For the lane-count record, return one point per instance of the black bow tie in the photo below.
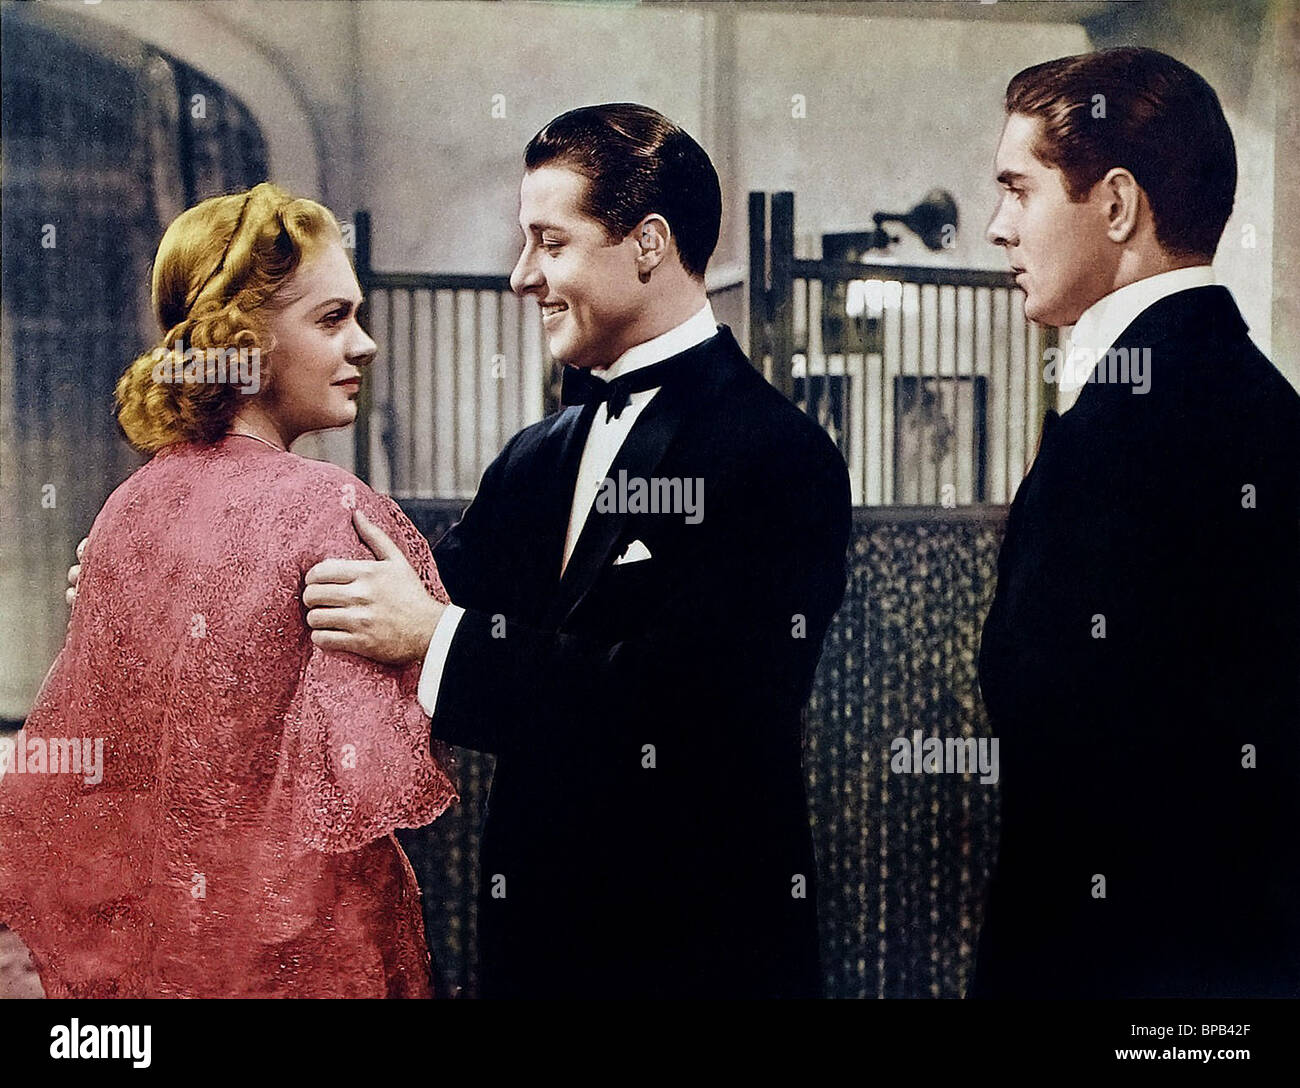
(580, 386)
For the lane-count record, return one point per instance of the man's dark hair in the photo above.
(636, 162)
(1148, 113)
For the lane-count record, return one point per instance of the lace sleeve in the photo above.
(357, 753)
(405, 535)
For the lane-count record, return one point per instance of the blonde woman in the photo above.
(236, 837)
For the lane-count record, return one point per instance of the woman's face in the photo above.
(318, 349)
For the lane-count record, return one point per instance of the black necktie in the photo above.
(580, 386)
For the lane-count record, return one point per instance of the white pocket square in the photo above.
(635, 552)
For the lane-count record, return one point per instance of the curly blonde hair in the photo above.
(221, 266)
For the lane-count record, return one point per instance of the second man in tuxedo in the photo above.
(1141, 660)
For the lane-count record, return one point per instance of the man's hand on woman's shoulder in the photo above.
(377, 608)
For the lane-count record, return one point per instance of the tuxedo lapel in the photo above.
(1164, 329)
(640, 455)
(560, 457)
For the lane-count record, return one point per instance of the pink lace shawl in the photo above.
(239, 840)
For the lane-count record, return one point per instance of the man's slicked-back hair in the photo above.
(1148, 113)
(637, 162)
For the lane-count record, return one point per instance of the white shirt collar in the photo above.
(694, 330)
(1101, 324)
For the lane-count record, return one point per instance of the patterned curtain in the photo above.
(103, 143)
(903, 859)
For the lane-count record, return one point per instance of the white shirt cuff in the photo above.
(436, 659)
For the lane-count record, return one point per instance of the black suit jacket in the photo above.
(647, 830)
(1174, 516)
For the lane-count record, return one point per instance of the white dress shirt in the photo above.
(1100, 325)
(604, 440)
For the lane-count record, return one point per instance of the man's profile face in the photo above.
(587, 286)
(1058, 249)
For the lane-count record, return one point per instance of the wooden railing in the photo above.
(928, 378)
(461, 366)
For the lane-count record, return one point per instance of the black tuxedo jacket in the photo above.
(1169, 522)
(647, 830)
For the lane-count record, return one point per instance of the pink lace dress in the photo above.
(235, 838)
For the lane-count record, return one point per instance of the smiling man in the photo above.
(639, 674)
(1141, 659)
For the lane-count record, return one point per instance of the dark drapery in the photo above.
(104, 143)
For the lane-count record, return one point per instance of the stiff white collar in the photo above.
(1100, 325)
(694, 330)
